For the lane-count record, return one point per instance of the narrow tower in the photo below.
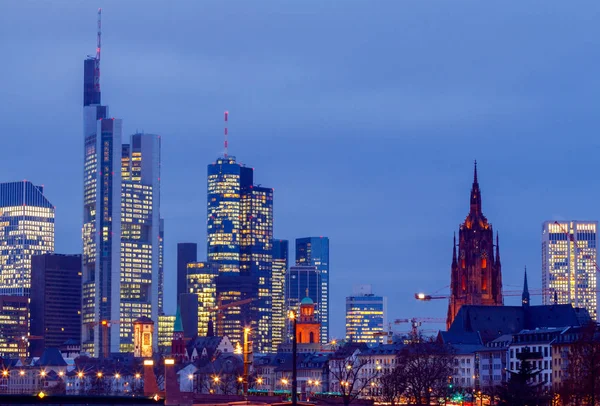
(525, 295)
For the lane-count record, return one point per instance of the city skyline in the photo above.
(519, 196)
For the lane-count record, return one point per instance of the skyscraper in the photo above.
(140, 236)
(301, 282)
(187, 252)
(365, 315)
(476, 276)
(569, 256)
(26, 229)
(161, 267)
(202, 281)
(55, 300)
(240, 238)
(280, 266)
(13, 326)
(314, 251)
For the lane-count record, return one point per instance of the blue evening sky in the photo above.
(365, 116)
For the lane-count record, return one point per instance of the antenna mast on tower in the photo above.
(98, 46)
(225, 133)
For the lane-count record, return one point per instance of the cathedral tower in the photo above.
(476, 276)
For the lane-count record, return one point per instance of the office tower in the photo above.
(476, 273)
(569, 257)
(55, 300)
(188, 306)
(140, 237)
(236, 300)
(240, 236)
(365, 315)
(26, 229)
(280, 266)
(301, 282)
(13, 326)
(202, 281)
(314, 251)
(165, 333)
(161, 269)
(187, 252)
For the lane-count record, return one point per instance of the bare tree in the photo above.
(393, 386)
(424, 366)
(353, 377)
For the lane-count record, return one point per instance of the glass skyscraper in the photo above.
(202, 281)
(365, 315)
(240, 237)
(569, 270)
(280, 266)
(301, 282)
(26, 229)
(314, 251)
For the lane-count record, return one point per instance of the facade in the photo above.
(240, 237)
(365, 315)
(26, 229)
(314, 251)
(187, 252)
(301, 282)
(237, 299)
(166, 324)
(188, 305)
(161, 268)
(476, 275)
(535, 346)
(493, 363)
(13, 326)
(202, 281)
(569, 256)
(279, 315)
(55, 300)
(308, 328)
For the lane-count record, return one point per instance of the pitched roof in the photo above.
(51, 357)
(178, 327)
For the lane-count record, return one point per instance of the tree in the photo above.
(424, 366)
(582, 383)
(393, 386)
(352, 375)
(521, 390)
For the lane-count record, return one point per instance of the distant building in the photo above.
(13, 326)
(55, 301)
(301, 282)
(188, 305)
(365, 315)
(161, 267)
(187, 252)
(166, 325)
(202, 281)
(26, 229)
(236, 296)
(535, 347)
(476, 275)
(314, 251)
(569, 257)
(280, 266)
(493, 363)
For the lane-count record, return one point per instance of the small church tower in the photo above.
(178, 350)
(308, 329)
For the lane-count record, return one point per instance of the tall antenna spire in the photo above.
(98, 46)
(225, 133)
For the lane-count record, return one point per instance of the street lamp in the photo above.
(294, 319)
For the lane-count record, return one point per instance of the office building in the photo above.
(476, 272)
(237, 301)
(280, 266)
(365, 315)
(188, 307)
(314, 251)
(165, 333)
(569, 270)
(13, 326)
(240, 236)
(161, 268)
(187, 252)
(202, 281)
(26, 229)
(55, 301)
(300, 282)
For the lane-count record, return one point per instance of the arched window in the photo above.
(311, 337)
(300, 337)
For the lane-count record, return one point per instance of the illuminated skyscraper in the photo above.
(201, 280)
(280, 266)
(365, 315)
(13, 326)
(26, 229)
(240, 237)
(161, 269)
(140, 237)
(569, 256)
(314, 251)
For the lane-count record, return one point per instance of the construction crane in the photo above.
(416, 322)
(424, 297)
(219, 311)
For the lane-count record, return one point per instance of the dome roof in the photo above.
(307, 301)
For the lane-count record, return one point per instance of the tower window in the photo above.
(484, 262)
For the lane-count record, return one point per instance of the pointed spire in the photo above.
(525, 296)
(178, 327)
(475, 173)
(475, 194)
(497, 249)
(454, 258)
(211, 328)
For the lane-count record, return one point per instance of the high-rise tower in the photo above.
(476, 276)
(569, 255)
(280, 267)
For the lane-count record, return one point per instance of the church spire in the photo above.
(497, 249)
(525, 296)
(475, 194)
(454, 259)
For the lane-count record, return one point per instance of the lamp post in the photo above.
(293, 318)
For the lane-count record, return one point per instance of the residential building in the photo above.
(534, 346)
(279, 314)
(55, 301)
(13, 326)
(26, 229)
(475, 256)
(493, 363)
(379, 360)
(202, 281)
(187, 252)
(569, 270)
(314, 251)
(365, 315)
